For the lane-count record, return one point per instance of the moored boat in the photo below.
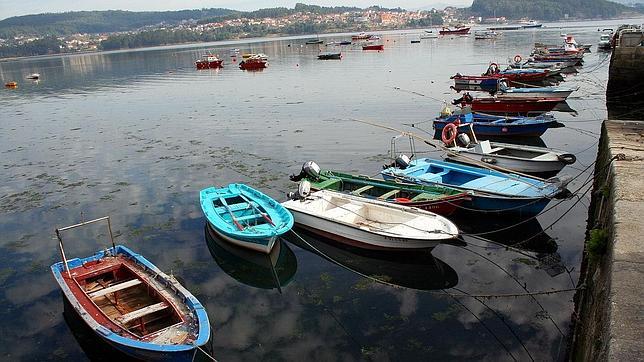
(131, 304)
(33, 76)
(508, 156)
(314, 41)
(361, 36)
(244, 216)
(11, 84)
(209, 61)
(441, 200)
(253, 63)
(495, 126)
(330, 55)
(370, 224)
(492, 190)
(373, 47)
(455, 31)
(485, 34)
(510, 105)
(475, 82)
(534, 92)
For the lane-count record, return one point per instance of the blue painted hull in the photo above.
(244, 216)
(492, 190)
(487, 125)
(135, 348)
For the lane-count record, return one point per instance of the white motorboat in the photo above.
(33, 76)
(370, 224)
(429, 34)
(485, 34)
(534, 92)
(520, 158)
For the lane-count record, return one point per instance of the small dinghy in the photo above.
(520, 158)
(492, 190)
(33, 76)
(330, 55)
(131, 304)
(369, 224)
(244, 216)
(497, 126)
(441, 200)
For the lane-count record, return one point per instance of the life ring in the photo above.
(517, 58)
(567, 158)
(452, 136)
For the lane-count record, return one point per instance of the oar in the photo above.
(239, 226)
(257, 209)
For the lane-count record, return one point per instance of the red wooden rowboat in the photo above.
(373, 47)
(131, 304)
(514, 106)
(457, 31)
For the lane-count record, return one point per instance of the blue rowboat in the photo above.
(244, 216)
(156, 319)
(491, 190)
(490, 125)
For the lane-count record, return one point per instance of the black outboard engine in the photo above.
(466, 98)
(310, 169)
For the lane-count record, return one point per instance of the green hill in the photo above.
(547, 9)
(98, 21)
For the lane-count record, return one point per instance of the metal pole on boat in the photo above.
(62, 252)
(109, 228)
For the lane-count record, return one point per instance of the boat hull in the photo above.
(522, 105)
(520, 165)
(492, 129)
(553, 94)
(523, 206)
(262, 245)
(373, 47)
(461, 31)
(355, 236)
(141, 350)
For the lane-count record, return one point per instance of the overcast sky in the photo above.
(10, 8)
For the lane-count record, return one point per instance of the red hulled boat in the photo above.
(209, 62)
(373, 47)
(253, 63)
(523, 106)
(457, 31)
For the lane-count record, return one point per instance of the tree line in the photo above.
(546, 9)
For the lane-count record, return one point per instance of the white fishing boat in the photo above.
(370, 224)
(33, 76)
(429, 34)
(505, 91)
(520, 158)
(485, 34)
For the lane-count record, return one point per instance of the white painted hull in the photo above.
(385, 226)
(544, 160)
(266, 249)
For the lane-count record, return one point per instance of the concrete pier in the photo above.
(625, 90)
(610, 311)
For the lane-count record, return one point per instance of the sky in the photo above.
(9, 8)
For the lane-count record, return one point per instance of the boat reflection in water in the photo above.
(96, 349)
(259, 270)
(528, 236)
(410, 269)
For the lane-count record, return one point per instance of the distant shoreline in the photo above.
(280, 36)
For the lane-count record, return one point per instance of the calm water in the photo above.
(136, 135)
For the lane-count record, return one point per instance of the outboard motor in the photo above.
(401, 162)
(310, 169)
(463, 139)
(303, 191)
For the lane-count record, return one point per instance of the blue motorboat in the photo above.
(244, 216)
(491, 125)
(492, 190)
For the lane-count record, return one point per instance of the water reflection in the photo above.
(413, 269)
(258, 270)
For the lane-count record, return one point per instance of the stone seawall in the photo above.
(610, 310)
(625, 90)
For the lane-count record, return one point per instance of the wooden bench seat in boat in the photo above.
(361, 190)
(114, 288)
(388, 194)
(235, 207)
(128, 317)
(249, 217)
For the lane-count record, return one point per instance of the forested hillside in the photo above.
(547, 9)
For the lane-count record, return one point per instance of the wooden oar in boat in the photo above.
(239, 226)
(257, 209)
